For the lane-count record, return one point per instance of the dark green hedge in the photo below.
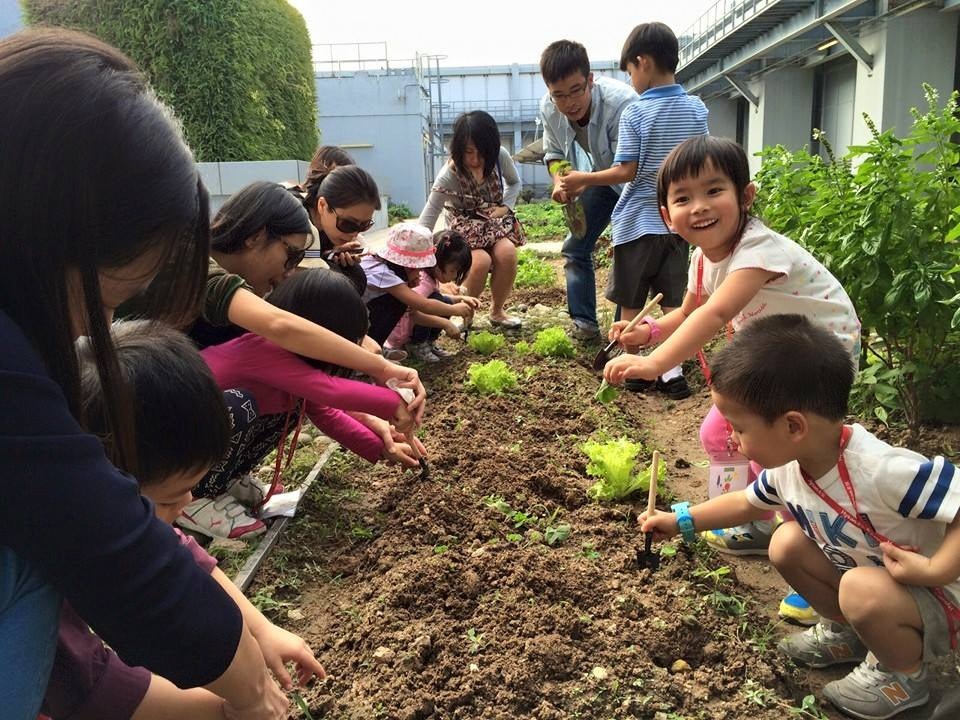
(236, 72)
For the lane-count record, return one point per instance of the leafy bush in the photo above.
(885, 219)
(398, 212)
(492, 378)
(485, 343)
(532, 271)
(237, 73)
(612, 463)
(553, 342)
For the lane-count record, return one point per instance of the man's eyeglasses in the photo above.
(350, 226)
(575, 92)
(294, 255)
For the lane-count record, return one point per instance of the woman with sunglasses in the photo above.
(341, 201)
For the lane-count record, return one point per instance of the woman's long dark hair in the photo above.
(341, 187)
(260, 205)
(95, 174)
(482, 129)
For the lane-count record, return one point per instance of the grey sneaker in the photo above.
(585, 333)
(826, 643)
(872, 692)
(750, 539)
(440, 352)
(422, 352)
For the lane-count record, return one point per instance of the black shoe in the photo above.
(675, 388)
(635, 385)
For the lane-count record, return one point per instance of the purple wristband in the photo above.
(655, 331)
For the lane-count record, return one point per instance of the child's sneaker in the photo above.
(826, 643)
(422, 352)
(394, 354)
(873, 692)
(223, 517)
(795, 609)
(750, 539)
(249, 491)
(440, 352)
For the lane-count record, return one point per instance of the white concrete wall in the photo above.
(837, 116)
(722, 119)
(784, 113)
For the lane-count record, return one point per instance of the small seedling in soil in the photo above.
(668, 550)
(755, 693)
(492, 378)
(522, 347)
(476, 640)
(607, 393)
(554, 342)
(485, 343)
(589, 551)
(556, 535)
(301, 705)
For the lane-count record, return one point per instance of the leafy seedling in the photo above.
(492, 378)
(485, 343)
(607, 393)
(554, 342)
(612, 348)
(612, 463)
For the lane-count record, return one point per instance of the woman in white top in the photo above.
(478, 189)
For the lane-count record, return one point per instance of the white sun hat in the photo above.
(409, 245)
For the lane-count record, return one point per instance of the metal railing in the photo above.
(501, 110)
(716, 23)
(339, 58)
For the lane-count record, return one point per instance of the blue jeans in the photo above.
(598, 203)
(29, 615)
(422, 333)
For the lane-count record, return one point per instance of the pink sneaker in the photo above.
(221, 517)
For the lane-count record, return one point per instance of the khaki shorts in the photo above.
(936, 629)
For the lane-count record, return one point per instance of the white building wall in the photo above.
(839, 99)
(784, 113)
(722, 117)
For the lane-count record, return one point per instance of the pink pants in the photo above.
(717, 441)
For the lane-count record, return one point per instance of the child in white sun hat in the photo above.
(393, 270)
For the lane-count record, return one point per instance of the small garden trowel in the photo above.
(612, 349)
(647, 558)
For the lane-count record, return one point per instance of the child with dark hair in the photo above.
(740, 271)
(181, 429)
(419, 330)
(394, 270)
(285, 387)
(477, 190)
(647, 258)
(876, 542)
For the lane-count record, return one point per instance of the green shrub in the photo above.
(237, 73)
(397, 212)
(532, 271)
(485, 343)
(491, 378)
(885, 219)
(554, 342)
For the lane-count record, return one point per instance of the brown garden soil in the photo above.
(422, 601)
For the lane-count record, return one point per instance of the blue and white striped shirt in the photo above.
(662, 118)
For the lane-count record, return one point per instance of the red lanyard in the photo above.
(280, 465)
(951, 610)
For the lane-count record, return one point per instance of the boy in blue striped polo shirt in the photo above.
(647, 258)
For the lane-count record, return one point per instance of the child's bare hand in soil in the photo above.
(280, 647)
(397, 449)
(663, 525)
(452, 330)
(907, 566)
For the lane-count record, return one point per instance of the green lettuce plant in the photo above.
(492, 378)
(612, 463)
(553, 342)
(485, 343)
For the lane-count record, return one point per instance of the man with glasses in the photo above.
(581, 119)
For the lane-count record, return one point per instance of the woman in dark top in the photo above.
(80, 128)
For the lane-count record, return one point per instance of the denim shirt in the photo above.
(608, 98)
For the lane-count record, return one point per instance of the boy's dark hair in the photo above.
(180, 420)
(781, 363)
(480, 127)
(654, 39)
(260, 205)
(452, 248)
(328, 299)
(690, 157)
(341, 187)
(563, 58)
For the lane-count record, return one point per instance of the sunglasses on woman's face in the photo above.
(294, 255)
(350, 226)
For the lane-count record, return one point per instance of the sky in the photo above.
(486, 32)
